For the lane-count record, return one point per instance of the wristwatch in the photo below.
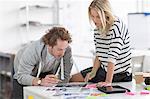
(39, 82)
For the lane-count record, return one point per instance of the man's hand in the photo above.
(49, 80)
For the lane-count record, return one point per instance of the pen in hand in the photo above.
(89, 76)
(86, 78)
(51, 79)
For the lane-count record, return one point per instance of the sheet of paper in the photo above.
(90, 86)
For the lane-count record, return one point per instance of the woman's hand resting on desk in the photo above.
(49, 80)
(103, 84)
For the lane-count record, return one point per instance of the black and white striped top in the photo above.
(114, 47)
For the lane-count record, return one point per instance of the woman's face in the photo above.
(95, 17)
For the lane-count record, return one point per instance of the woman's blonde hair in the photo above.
(104, 10)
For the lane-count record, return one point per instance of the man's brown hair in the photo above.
(51, 36)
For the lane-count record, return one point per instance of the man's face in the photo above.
(59, 49)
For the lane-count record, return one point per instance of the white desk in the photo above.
(39, 92)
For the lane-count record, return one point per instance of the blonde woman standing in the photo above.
(113, 57)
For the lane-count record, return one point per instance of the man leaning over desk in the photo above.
(39, 62)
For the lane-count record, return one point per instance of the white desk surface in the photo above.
(39, 92)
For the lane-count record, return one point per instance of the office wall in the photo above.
(14, 22)
(139, 24)
(8, 25)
